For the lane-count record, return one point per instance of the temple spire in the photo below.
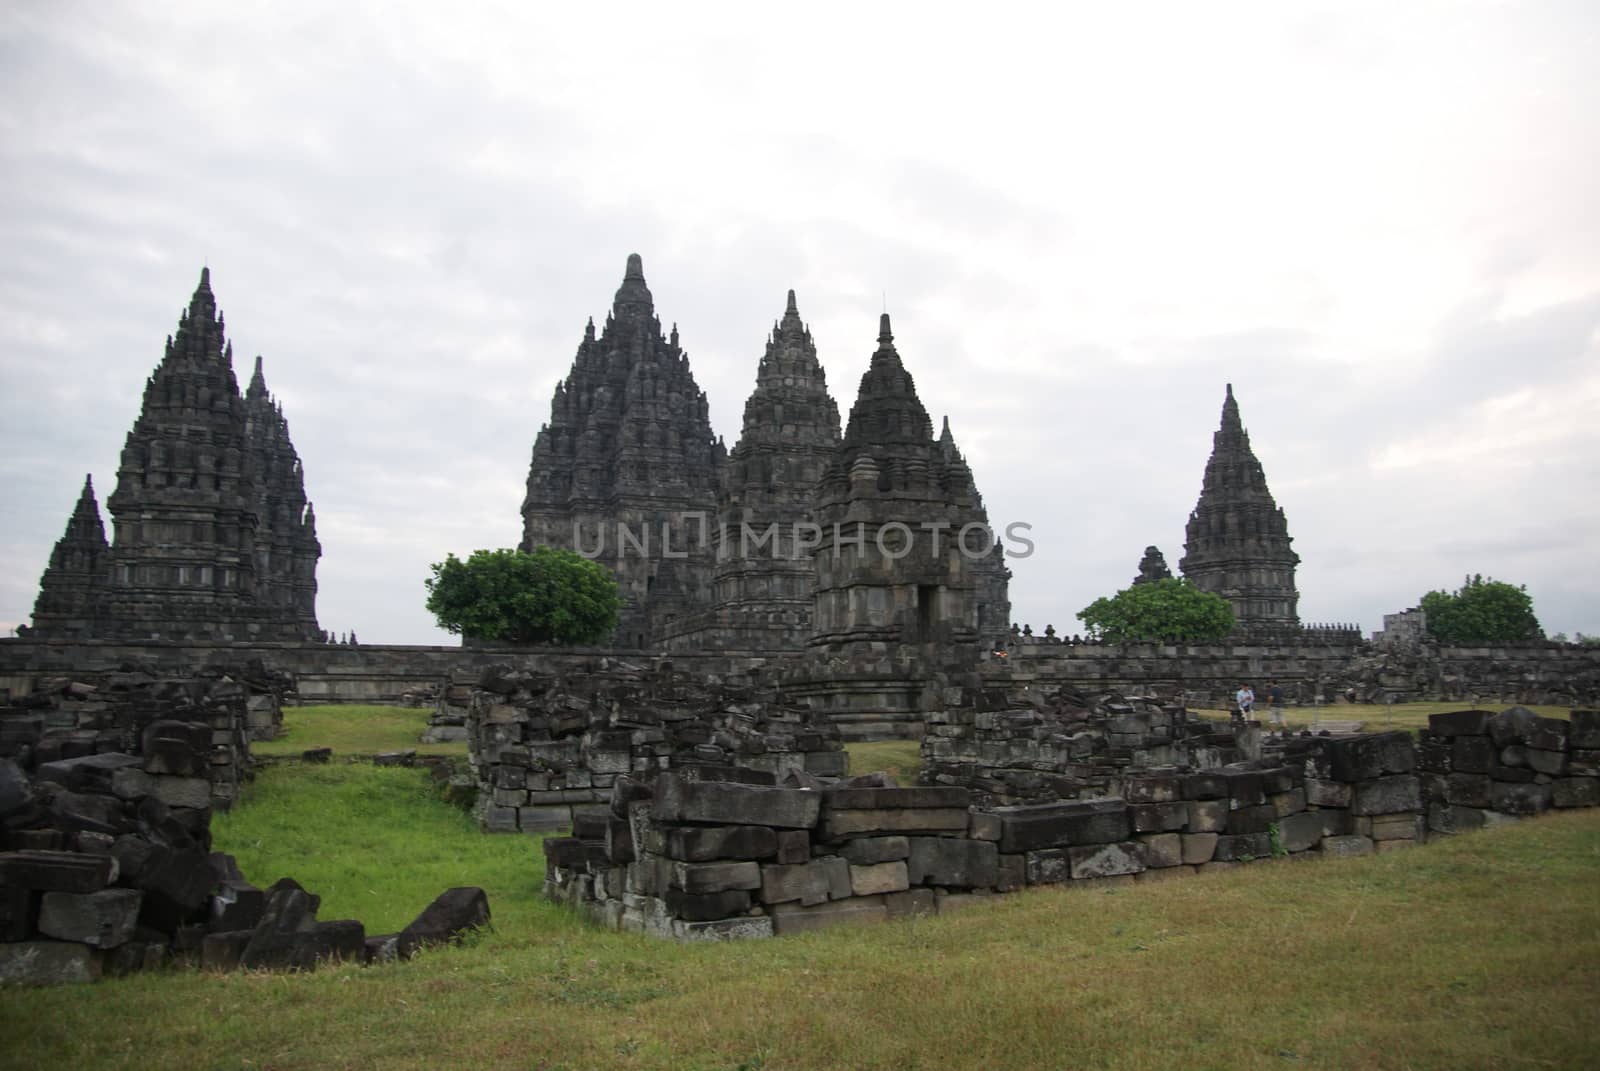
(633, 301)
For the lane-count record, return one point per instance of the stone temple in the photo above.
(718, 551)
(212, 536)
(1237, 542)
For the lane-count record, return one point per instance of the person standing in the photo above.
(1275, 715)
(1245, 697)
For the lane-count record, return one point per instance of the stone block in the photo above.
(1398, 827)
(132, 783)
(983, 825)
(1520, 799)
(1363, 758)
(953, 861)
(1300, 832)
(869, 850)
(1243, 847)
(1281, 779)
(1287, 803)
(1046, 866)
(790, 918)
(1055, 825)
(500, 820)
(1467, 790)
(715, 877)
(1252, 819)
(1322, 793)
(543, 818)
(1435, 754)
(699, 844)
(222, 951)
(1163, 788)
(895, 799)
(875, 878)
(103, 919)
(37, 963)
(1208, 816)
(794, 845)
(55, 871)
(839, 824)
(18, 908)
(1346, 846)
(1162, 849)
(1584, 730)
(452, 913)
(509, 797)
(909, 903)
(1105, 860)
(1460, 723)
(1472, 754)
(1575, 792)
(1209, 785)
(810, 883)
(1199, 847)
(176, 747)
(1159, 817)
(1444, 818)
(183, 791)
(723, 803)
(1246, 788)
(704, 907)
(1011, 872)
(735, 929)
(1386, 795)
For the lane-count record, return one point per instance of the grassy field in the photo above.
(353, 730)
(1481, 951)
(902, 758)
(1379, 718)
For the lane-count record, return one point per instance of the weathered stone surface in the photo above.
(1256, 819)
(838, 824)
(734, 929)
(1287, 803)
(1346, 846)
(1321, 793)
(794, 846)
(1387, 795)
(868, 850)
(875, 878)
(1199, 847)
(1162, 849)
(1398, 827)
(34, 963)
(810, 883)
(953, 861)
(697, 844)
(703, 907)
(1460, 723)
(1520, 799)
(1046, 866)
(911, 902)
(222, 951)
(1208, 816)
(1364, 758)
(678, 800)
(1153, 789)
(1467, 790)
(790, 918)
(452, 913)
(1243, 847)
(1060, 824)
(183, 791)
(1584, 730)
(54, 871)
(103, 919)
(879, 799)
(1159, 817)
(1575, 792)
(1443, 818)
(1105, 860)
(983, 825)
(1208, 785)
(715, 877)
(1472, 754)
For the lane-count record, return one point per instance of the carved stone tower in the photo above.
(904, 542)
(627, 471)
(761, 595)
(1237, 543)
(287, 549)
(1152, 567)
(76, 575)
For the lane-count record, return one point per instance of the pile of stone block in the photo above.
(106, 868)
(73, 717)
(1480, 768)
(1017, 746)
(548, 748)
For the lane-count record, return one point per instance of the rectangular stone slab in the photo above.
(50, 871)
(1054, 825)
(103, 919)
(837, 825)
(722, 803)
(882, 799)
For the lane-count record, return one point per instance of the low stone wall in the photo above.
(547, 748)
(723, 854)
(1477, 767)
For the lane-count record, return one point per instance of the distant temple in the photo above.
(1237, 541)
(212, 536)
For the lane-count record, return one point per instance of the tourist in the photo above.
(1245, 697)
(1275, 705)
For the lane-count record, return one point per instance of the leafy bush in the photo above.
(1482, 611)
(547, 596)
(1169, 609)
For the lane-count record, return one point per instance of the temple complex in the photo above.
(1237, 543)
(212, 536)
(627, 471)
(1152, 567)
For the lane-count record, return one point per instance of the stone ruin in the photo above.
(715, 853)
(106, 798)
(547, 748)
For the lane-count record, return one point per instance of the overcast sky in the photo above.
(1379, 222)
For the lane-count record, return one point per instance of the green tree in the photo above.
(1171, 609)
(1482, 611)
(548, 596)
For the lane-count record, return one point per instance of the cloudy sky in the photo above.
(1379, 222)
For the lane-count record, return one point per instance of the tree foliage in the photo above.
(548, 596)
(1482, 611)
(1170, 609)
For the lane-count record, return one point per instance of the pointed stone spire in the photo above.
(74, 582)
(1152, 567)
(1237, 541)
(633, 302)
(258, 383)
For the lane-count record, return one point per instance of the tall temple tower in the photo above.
(761, 591)
(627, 471)
(905, 555)
(1237, 543)
(209, 538)
(79, 566)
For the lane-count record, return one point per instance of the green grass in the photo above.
(1479, 951)
(353, 730)
(901, 758)
(1376, 717)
